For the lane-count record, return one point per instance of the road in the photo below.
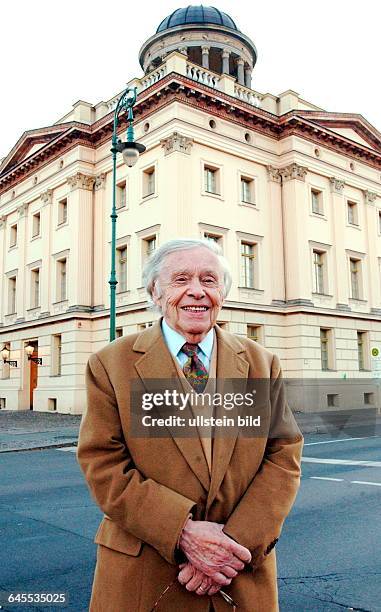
(329, 557)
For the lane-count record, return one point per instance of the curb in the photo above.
(33, 448)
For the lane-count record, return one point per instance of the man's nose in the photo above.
(195, 289)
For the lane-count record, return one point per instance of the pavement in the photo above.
(29, 430)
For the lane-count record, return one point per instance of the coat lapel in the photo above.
(157, 364)
(230, 365)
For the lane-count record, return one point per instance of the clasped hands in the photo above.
(214, 559)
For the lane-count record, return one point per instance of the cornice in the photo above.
(174, 87)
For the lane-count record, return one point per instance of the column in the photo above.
(80, 264)
(225, 61)
(21, 297)
(296, 247)
(205, 57)
(101, 211)
(338, 216)
(248, 71)
(46, 289)
(275, 225)
(372, 238)
(240, 71)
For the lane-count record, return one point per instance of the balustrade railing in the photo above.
(247, 95)
(202, 75)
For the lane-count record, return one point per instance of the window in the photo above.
(57, 355)
(362, 350)
(62, 211)
(213, 237)
(143, 326)
(12, 295)
(247, 190)
(148, 182)
(35, 288)
(149, 247)
(254, 332)
(119, 332)
(352, 212)
(379, 221)
(319, 265)
(121, 195)
(317, 201)
(13, 236)
(355, 278)
(121, 253)
(36, 225)
(333, 400)
(247, 264)
(211, 180)
(325, 349)
(61, 280)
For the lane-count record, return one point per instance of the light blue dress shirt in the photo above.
(176, 341)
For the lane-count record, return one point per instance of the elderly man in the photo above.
(190, 522)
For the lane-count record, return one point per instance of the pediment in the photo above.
(29, 143)
(352, 127)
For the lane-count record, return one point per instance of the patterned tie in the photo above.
(194, 370)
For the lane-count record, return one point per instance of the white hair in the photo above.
(154, 264)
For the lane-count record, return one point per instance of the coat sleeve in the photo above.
(257, 520)
(150, 511)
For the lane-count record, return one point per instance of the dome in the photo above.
(197, 15)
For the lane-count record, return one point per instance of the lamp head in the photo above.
(5, 353)
(130, 157)
(29, 350)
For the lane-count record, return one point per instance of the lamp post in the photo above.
(130, 151)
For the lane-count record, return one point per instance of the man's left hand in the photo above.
(195, 580)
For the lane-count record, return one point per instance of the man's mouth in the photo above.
(195, 308)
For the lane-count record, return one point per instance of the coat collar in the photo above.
(156, 363)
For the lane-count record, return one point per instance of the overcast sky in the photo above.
(53, 54)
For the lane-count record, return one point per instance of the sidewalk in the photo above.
(27, 430)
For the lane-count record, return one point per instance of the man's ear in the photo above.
(156, 293)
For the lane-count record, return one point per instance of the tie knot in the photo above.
(190, 349)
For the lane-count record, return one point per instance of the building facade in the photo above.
(292, 193)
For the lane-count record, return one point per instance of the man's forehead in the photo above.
(197, 259)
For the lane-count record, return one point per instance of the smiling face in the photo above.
(190, 291)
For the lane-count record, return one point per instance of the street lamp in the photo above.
(130, 151)
(29, 351)
(5, 354)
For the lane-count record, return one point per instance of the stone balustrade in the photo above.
(202, 75)
(247, 95)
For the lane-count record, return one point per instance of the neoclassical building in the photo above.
(291, 192)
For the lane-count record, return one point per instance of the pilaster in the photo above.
(81, 218)
(276, 238)
(102, 208)
(338, 217)
(46, 229)
(297, 256)
(22, 300)
(3, 296)
(372, 237)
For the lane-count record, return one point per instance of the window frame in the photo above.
(62, 206)
(36, 215)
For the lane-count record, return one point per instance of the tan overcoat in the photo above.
(147, 487)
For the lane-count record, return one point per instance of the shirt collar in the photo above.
(176, 341)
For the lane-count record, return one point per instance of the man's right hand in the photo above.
(212, 551)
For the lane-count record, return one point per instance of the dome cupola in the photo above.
(208, 37)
